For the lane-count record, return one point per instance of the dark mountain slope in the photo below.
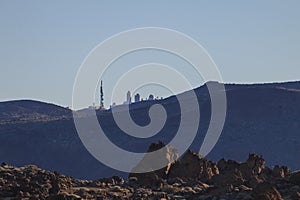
(261, 118)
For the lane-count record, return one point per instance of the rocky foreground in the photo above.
(190, 177)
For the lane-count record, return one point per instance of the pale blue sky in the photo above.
(43, 43)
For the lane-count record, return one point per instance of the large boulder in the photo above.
(192, 166)
(256, 163)
(236, 174)
(153, 178)
(280, 171)
(232, 177)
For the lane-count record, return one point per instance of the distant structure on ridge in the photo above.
(151, 97)
(137, 98)
(129, 98)
(101, 97)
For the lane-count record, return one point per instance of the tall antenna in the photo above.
(101, 96)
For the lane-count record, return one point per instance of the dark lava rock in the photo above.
(266, 191)
(295, 178)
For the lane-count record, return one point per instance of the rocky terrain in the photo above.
(190, 177)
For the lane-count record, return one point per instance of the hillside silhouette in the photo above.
(261, 118)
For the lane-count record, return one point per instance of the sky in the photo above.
(43, 43)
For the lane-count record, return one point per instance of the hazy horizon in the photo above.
(31, 99)
(44, 43)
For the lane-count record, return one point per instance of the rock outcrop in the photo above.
(192, 166)
(154, 178)
(247, 180)
(266, 191)
(190, 177)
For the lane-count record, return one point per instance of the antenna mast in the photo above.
(101, 96)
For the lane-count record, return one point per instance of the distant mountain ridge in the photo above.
(29, 110)
(261, 118)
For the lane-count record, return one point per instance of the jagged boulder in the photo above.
(192, 166)
(256, 163)
(154, 178)
(232, 177)
(280, 171)
(225, 166)
(236, 174)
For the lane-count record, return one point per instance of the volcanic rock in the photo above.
(295, 178)
(154, 178)
(266, 191)
(190, 177)
(192, 166)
